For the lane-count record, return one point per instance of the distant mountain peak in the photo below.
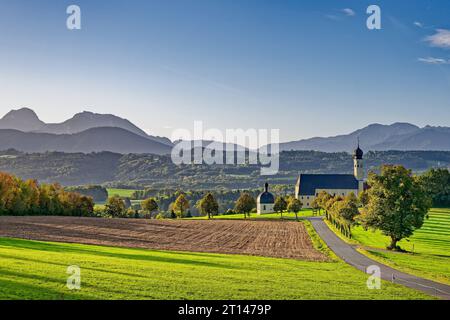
(22, 112)
(23, 119)
(86, 113)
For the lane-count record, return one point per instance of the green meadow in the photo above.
(125, 193)
(428, 249)
(274, 216)
(37, 270)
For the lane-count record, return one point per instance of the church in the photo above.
(265, 201)
(309, 186)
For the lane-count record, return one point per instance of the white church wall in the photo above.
(308, 200)
(262, 208)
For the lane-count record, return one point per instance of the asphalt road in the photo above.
(349, 254)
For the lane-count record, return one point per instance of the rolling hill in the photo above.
(92, 140)
(158, 171)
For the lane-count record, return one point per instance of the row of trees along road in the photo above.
(396, 203)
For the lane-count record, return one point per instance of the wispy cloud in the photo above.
(348, 12)
(418, 24)
(333, 17)
(339, 15)
(435, 61)
(440, 39)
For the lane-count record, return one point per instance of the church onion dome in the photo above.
(266, 197)
(358, 153)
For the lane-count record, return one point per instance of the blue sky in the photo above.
(309, 68)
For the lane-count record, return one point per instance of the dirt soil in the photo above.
(280, 239)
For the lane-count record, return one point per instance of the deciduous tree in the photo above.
(208, 205)
(181, 205)
(295, 206)
(436, 183)
(115, 207)
(149, 205)
(280, 205)
(245, 204)
(397, 204)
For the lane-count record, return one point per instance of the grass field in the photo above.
(431, 246)
(126, 193)
(274, 216)
(37, 270)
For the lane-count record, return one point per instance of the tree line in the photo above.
(182, 207)
(27, 197)
(158, 172)
(396, 202)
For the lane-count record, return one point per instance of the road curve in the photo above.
(349, 254)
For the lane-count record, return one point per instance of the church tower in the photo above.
(358, 168)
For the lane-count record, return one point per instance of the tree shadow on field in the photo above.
(15, 290)
(66, 264)
(144, 257)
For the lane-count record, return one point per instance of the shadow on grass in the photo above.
(65, 265)
(16, 290)
(77, 249)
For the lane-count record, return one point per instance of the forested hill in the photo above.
(140, 170)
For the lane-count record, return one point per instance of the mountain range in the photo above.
(378, 137)
(91, 132)
(26, 120)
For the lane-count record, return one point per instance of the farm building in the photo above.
(309, 186)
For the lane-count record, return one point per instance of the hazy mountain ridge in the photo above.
(87, 132)
(26, 120)
(397, 136)
(23, 120)
(92, 140)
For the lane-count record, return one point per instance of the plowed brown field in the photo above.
(262, 238)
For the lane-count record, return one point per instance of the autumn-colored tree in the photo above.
(322, 199)
(7, 192)
(349, 210)
(18, 197)
(245, 204)
(115, 207)
(397, 206)
(363, 198)
(149, 205)
(343, 213)
(315, 206)
(208, 205)
(181, 205)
